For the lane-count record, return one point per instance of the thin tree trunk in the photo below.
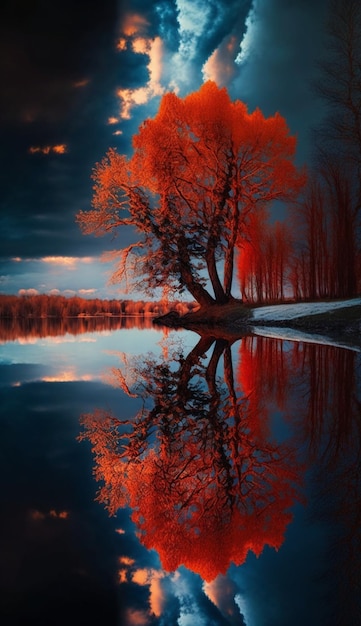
(229, 256)
(221, 297)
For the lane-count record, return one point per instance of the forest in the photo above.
(60, 307)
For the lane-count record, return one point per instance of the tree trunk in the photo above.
(229, 256)
(221, 297)
(199, 293)
(203, 345)
(228, 271)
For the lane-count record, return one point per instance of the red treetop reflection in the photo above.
(204, 484)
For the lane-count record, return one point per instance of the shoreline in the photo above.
(341, 323)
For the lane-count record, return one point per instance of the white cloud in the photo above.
(247, 43)
(28, 292)
(86, 292)
(153, 578)
(189, 611)
(222, 591)
(69, 262)
(129, 98)
(220, 66)
(193, 17)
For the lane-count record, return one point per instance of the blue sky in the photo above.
(79, 78)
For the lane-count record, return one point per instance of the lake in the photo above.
(163, 477)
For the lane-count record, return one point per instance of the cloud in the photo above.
(153, 578)
(61, 339)
(247, 43)
(223, 591)
(276, 68)
(61, 148)
(204, 44)
(44, 54)
(28, 292)
(122, 44)
(136, 617)
(67, 376)
(221, 66)
(59, 515)
(134, 24)
(124, 560)
(67, 262)
(37, 515)
(130, 98)
(81, 83)
(186, 592)
(193, 17)
(86, 292)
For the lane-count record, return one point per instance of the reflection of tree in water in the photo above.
(334, 430)
(339, 482)
(205, 482)
(22, 327)
(319, 387)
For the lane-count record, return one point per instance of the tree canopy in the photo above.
(199, 170)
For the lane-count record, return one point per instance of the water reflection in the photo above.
(208, 474)
(318, 389)
(17, 328)
(211, 441)
(206, 480)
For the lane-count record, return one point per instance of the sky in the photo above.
(78, 78)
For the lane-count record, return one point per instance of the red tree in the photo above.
(199, 170)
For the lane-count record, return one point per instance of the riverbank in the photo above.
(339, 319)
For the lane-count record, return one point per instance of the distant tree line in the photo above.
(43, 305)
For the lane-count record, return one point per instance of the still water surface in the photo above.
(226, 472)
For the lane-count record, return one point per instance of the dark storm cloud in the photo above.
(166, 14)
(283, 45)
(46, 48)
(58, 71)
(224, 18)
